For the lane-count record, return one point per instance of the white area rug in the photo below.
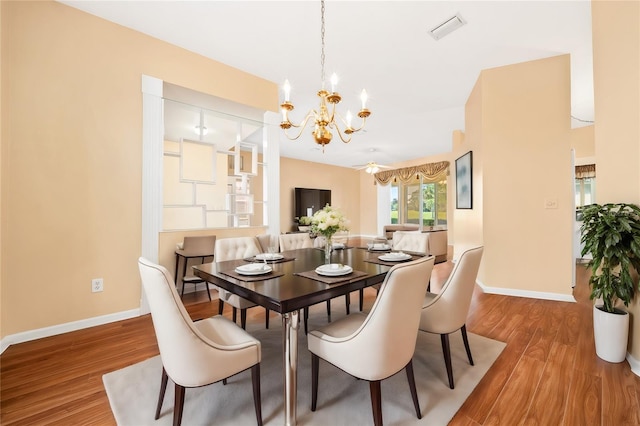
(342, 399)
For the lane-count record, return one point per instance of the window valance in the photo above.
(430, 172)
(586, 171)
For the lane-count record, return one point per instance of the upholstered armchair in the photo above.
(411, 241)
(446, 312)
(295, 241)
(199, 353)
(376, 346)
(231, 249)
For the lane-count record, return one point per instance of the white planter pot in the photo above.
(611, 333)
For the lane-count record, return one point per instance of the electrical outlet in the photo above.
(551, 203)
(97, 284)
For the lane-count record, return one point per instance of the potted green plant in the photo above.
(304, 223)
(611, 235)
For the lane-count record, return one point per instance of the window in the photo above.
(585, 191)
(419, 203)
(585, 185)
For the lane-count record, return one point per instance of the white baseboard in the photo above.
(634, 363)
(527, 293)
(26, 336)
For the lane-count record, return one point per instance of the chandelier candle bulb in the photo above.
(322, 120)
(287, 90)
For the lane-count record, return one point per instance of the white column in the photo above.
(383, 207)
(152, 136)
(271, 182)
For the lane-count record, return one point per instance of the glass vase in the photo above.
(328, 246)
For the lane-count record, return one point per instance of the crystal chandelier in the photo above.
(325, 118)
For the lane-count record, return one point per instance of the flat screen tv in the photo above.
(307, 201)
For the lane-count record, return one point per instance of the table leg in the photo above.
(290, 324)
(177, 264)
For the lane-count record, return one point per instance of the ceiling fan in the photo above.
(372, 167)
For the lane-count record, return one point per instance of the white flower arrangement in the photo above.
(328, 221)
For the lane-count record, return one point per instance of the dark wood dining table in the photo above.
(285, 291)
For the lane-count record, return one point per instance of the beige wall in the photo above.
(583, 141)
(72, 153)
(526, 163)
(616, 72)
(344, 184)
(469, 231)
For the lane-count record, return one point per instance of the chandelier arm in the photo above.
(334, 125)
(300, 126)
(325, 117)
(364, 121)
(353, 129)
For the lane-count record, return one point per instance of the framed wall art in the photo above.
(464, 189)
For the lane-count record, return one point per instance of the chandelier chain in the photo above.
(325, 117)
(322, 44)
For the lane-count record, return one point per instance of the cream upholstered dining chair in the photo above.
(198, 353)
(446, 312)
(411, 241)
(202, 247)
(377, 345)
(267, 240)
(297, 240)
(232, 249)
(414, 241)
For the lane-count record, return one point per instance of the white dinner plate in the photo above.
(338, 246)
(394, 257)
(334, 269)
(380, 247)
(269, 256)
(254, 269)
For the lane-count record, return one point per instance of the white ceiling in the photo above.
(417, 86)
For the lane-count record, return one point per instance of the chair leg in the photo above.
(182, 291)
(243, 318)
(234, 316)
(412, 388)
(315, 364)
(255, 379)
(446, 351)
(466, 343)
(361, 299)
(266, 320)
(208, 292)
(305, 318)
(163, 388)
(347, 301)
(376, 402)
(220, 306)
(178, 405)
(329, 310)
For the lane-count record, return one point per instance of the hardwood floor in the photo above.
(548, 373)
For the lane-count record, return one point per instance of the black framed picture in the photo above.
(464, 193)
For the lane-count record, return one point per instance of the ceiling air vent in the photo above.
(447, 27)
